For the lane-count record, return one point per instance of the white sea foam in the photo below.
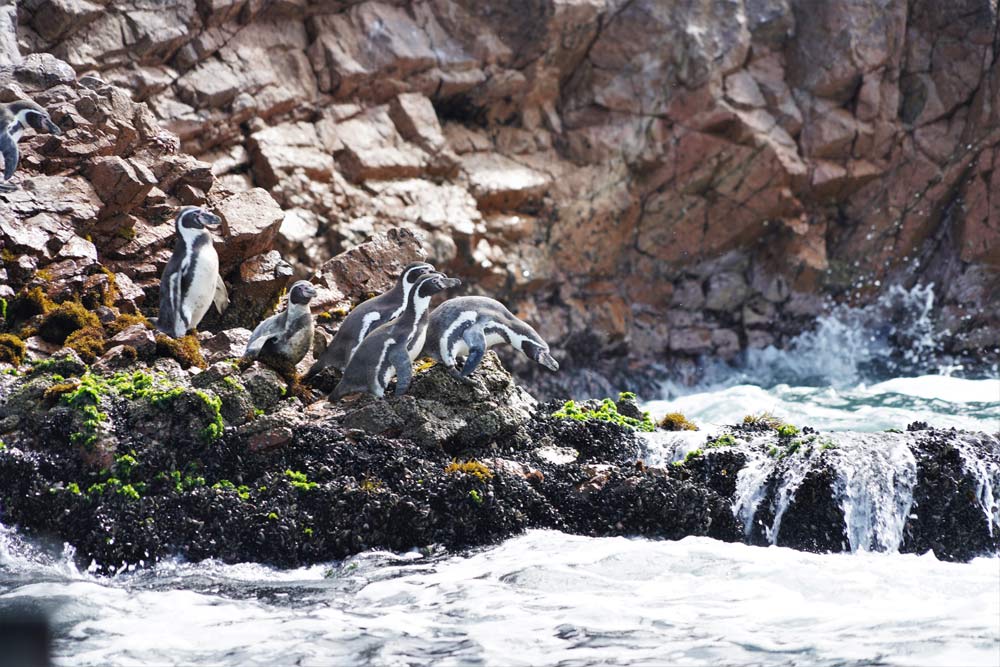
(543, 598)
(892, 404)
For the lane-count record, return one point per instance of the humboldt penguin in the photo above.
(469, 325)
(191, 280)
(13, 119)
(366, 317)
(390, 349)
(282, 340)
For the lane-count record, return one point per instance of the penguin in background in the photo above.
(283, 340)
(14, 117)
(389, 351)
(366, 317)
(467, 326)
(191, 280)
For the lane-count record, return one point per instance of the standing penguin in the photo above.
(390, 349)
(191, 280)
(366, 317)
(13, 119)
(282, 340)
(470, 325)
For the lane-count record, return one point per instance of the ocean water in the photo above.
(546, 598)
(543, 598)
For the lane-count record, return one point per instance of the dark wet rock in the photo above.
(439, 412)
(135, 463)
(949, 515)
(924, 490)
(220, 463)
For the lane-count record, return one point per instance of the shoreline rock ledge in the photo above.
(153, 461)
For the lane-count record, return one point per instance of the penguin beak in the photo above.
(52, 127)
(448, 283)
(309, 291)
(545, 359)
(209, 219)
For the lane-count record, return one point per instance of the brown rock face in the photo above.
(644, 181)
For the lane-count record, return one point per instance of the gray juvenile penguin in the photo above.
(13, 119)
(191, 280)
(282, 340)
(390, 349)
(470, 325)
(366, 318)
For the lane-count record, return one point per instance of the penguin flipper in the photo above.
(221, 298)
(8, 148)
(264, 332)
(476, 342)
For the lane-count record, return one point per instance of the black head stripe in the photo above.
(530, 348)
(301, 293)
(413, 272)
(498, 330)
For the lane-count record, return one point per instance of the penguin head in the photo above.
(431, 283)
(34, 115)
(191, 221)
(539, 353)
(301, 293)
(413, 272)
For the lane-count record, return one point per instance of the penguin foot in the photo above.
(423, 364)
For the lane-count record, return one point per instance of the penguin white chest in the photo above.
(417, 344)
(204, 275)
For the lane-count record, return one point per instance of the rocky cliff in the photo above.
(646, 182)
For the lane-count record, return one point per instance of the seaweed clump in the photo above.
(28, 303)
(675, 421)
(473, 468)
(124, 321)
(88, 342)
(64, 319)
(186, 350)
(12, 349)
(762, 421)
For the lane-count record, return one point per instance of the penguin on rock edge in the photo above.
(14, 117)
(191, 281)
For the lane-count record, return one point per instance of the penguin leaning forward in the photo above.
(282, 340)
(366, 318)
(191, 280)
(390, 349)
(14, 117)
(469, 325)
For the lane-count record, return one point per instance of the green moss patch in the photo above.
(606, 410)
(299, 480)
(725, 440)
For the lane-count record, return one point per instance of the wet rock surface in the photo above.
(141, 463)
(913, 492)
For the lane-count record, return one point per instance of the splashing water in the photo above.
(874, 488)
(894, 336)
(987, 476)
